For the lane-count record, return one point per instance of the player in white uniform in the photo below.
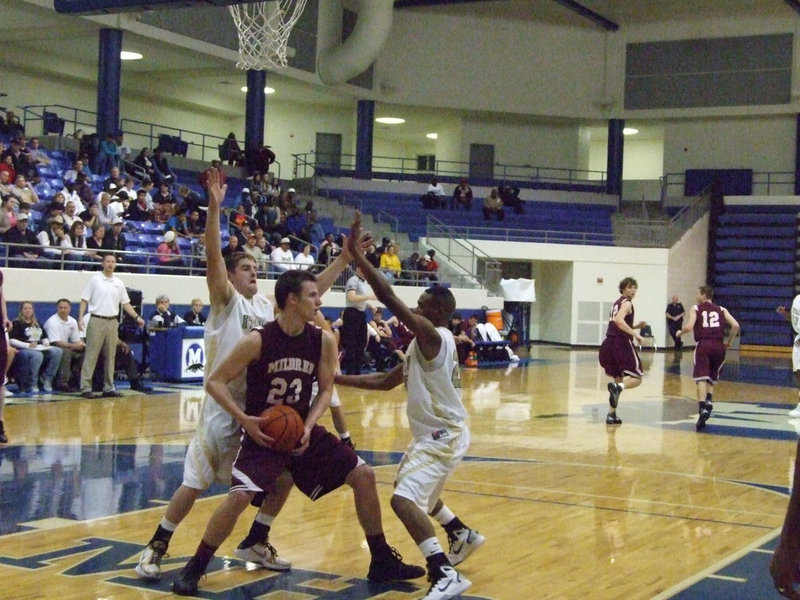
(436, 417)
(793, 317)
(236, 307)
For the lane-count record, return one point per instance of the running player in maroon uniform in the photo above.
(618, 355)
(707, 321)
(282, 360)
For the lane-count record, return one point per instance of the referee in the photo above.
(102, 297)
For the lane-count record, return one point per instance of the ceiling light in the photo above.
(630, 131)
(127, 55)
(390, 120)
(267, 90)
(432, 136)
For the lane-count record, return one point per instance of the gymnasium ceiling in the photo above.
(33, 33)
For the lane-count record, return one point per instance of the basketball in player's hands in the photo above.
(284, 425)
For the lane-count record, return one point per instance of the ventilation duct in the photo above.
(359, 51)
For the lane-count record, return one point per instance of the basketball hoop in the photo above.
(264, 29)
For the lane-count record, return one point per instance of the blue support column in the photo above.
(797, 157)
(615, 153)
(255, 106)
(109, 71)
(364, 128)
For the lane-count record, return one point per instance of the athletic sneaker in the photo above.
(705, 413)
(149, 566)
(463, 542)
(613, 419)
(393, 568)
(3, 436)
(446, 583)
(795, 413)
(264, 555)
(186, 582)
(614, 390)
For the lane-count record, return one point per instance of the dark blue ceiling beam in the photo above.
(413, 3)
(587, 13)
(794, 5)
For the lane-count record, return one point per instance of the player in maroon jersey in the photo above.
(707, 321)
(282, 360)
(618, 355)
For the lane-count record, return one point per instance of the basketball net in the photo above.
(264, 29)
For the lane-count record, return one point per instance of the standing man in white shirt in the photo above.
(62, 331)
(102, 297)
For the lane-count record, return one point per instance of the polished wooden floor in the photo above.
(571, 509)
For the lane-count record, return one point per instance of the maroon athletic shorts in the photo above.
(709, 356)
(322, 468)
(618, 357)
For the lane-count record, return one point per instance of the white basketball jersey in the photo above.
(223, 331)
(434, 388)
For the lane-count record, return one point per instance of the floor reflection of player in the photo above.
(616, 482)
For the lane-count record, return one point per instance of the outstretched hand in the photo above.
(357, 241)
(216, 193)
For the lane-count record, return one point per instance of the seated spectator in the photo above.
(305, 260)
(75, 253)
(23, 190)
(164, 203)
(509, 194)
(231, 247)
(328, 250)
(11, 126)
(372, 256)
(251, 248)
(106, 212)
(8, 215)
(472, 327)
(194, 226)
(434, 196)
(464, 343)
(163, 317)
(198, 260)
(428, 267)
(52, 238)
(139, 210)
(179, 224)
(71, 175)
(94, 245)
(230, 151)
(163, 169)
(169, 254)
(145, 166)
(390, 263)
(89, 216)
(462, 196)
(492, 205)
(123, 360)
(409, 273)
(62, 331)
(7, 167)
(194, 315)
(115, 181)
(108, 155)
(70, 214)
(191, 202)
(114, 242)
(36, 363)
(6, 188)
(281, 258)
(26, 250)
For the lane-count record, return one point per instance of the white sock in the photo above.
(444, 516)
(622, 385)
(264, 519)
(344, 435)
(168, 525)
(430, 547)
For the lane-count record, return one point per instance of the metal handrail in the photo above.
(464, 255)
(306, 166)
